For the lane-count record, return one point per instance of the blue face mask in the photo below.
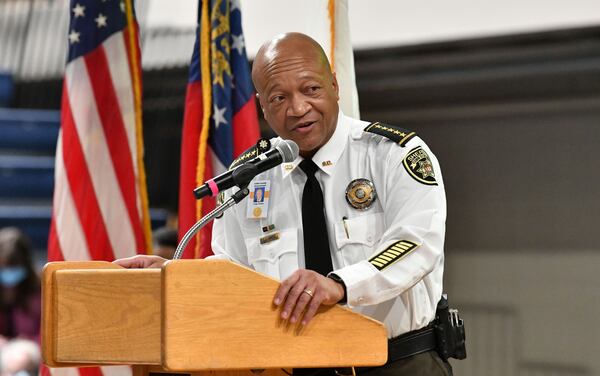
(12, 275)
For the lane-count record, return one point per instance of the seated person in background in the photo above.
(20, 294)
(165, 242)
(20, 357)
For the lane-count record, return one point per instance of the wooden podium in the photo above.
(192, 316)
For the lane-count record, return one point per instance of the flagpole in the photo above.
(137, 96)
(206, 107)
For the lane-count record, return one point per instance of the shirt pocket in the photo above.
(277, 258)
(357, 237)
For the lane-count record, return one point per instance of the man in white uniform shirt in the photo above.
(378, 192)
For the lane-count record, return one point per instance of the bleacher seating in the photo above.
(26, 176)
(33, 220)
(31, 131)
(27, 147)
(6, 89)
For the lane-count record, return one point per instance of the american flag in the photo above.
(100, 207)
(220, 120)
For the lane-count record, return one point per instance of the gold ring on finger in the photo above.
(309, 292)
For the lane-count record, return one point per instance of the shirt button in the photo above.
(360, 299)
(369, 238)
(271, 254)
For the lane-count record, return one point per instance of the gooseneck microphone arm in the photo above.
(285, 151)
(234, 199)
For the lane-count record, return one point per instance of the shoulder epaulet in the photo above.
(262, 146)
(250, 153)
(394, 133)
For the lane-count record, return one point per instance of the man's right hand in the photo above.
(141, 262)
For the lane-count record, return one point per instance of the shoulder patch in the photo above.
(418, 165)
(392, 254)
(250, 153)
(394, 133)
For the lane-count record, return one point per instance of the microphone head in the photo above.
(288, 149)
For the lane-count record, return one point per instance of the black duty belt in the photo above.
(404, 346)
(412, 343)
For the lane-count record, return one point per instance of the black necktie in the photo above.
(316, 242)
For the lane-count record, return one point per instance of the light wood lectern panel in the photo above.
(99, 313)
(191, 315)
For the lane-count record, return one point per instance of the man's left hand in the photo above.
(303, 292)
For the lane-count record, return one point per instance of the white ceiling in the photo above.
(396, 22)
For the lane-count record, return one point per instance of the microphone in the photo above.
(285, 151)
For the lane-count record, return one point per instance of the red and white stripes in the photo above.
(97, 211)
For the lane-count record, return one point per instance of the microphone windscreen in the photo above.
(288, 149)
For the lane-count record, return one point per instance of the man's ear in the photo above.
(336, 87)
(261, 105)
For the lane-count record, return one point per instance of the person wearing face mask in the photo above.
(20, 295)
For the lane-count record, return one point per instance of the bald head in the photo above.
(297, 91)
(283, 47)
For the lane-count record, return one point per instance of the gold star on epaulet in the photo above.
(394, 133)
(252, 152)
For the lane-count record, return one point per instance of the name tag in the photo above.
(269, 238)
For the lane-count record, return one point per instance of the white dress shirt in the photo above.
(404, 294)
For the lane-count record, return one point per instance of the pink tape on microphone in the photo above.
(213, 187)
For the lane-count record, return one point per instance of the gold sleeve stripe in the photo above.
(392, 254)
(386, 258)
(400, 246)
